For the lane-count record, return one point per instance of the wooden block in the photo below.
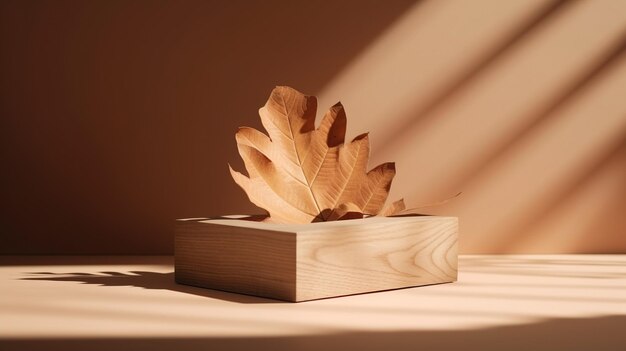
(318, 260)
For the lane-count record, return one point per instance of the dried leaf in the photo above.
(301, 174)
(343, 211)
(395, 208)
(433, 204)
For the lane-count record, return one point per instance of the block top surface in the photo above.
(243, 222)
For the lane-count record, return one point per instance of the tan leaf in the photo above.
(343, 211)
(394, 208)
(301, 174)
(433, 204)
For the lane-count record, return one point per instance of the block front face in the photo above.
(230, 258)
(317, 260)
(376, 254)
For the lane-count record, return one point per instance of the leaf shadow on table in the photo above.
(573, 334)
(145, 280)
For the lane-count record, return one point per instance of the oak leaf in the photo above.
(302, 174)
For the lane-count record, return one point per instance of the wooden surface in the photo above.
(238, 258)
(299, 262)
(382, 253)
(534, 302)
(569, 302)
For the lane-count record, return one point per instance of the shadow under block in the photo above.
(317, 260)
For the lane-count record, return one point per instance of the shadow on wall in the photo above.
(581, 334)
(118, 117)
(529, 122)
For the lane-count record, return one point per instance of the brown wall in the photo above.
(118, 116)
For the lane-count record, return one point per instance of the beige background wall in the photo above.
(118, 117)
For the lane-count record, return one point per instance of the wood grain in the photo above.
(299, 262)
(236, 258)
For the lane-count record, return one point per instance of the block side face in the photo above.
(452, 255)
(241, 260)
(372, 257)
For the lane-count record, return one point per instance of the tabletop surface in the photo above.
(512, 302)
